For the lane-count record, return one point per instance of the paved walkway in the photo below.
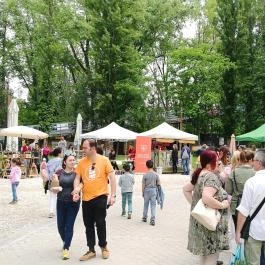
(28, 237)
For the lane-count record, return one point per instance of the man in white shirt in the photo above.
(253, 194)
(32, 145)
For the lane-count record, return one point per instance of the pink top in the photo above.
(43, 165)
(44, 171)
(46, 150)
(15, 174)
(226, 171)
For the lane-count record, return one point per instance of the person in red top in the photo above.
(25, 148)
(131, 152)
(45, 152)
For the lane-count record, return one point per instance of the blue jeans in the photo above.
(14, 190)
(126, 196)
(66, 215)
(150, 197)
(186, 166)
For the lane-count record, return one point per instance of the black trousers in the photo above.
(94, 212)
(175, 165)
(114, 165)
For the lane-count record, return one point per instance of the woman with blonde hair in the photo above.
(235, 159)
(236, 181)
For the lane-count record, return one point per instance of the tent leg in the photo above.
(117, 149)
(126, 149)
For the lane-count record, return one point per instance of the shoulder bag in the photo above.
(246, 226)
(206, 216)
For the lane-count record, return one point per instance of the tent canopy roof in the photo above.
(23, 132)
(257, 135)
(167, 131)
(111, 132)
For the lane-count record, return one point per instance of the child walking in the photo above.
(126, 183)
(149, 189)
(15, 176)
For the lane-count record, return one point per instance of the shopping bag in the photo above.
(238, 257)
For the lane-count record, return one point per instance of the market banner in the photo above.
(143, 153)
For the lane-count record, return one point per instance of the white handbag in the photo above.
(206, 216)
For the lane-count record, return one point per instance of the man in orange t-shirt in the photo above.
(93, 171)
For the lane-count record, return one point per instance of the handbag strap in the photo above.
(257, 210)
(234, 177)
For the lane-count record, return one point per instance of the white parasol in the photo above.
(23, 132)
(232, 146)
(12, 120)
(78, 131)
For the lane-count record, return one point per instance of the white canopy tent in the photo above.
(166, 131)
(23, 132)
(111, 132)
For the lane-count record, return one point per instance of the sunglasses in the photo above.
(93, 166)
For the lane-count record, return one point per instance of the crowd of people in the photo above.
(235, 187)
(68, 182)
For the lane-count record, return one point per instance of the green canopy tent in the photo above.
(257, 135)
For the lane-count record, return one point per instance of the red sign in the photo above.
(143, 153)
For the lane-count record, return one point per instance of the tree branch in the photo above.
(76, 57)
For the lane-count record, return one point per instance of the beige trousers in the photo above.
(253, 251)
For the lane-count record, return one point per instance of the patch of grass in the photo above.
(194, 162)
(120, 157)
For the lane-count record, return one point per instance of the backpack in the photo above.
(185, 154)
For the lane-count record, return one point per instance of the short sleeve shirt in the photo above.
(150, 180)
(94, 178)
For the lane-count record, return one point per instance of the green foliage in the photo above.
(127, 61)
(4, 45)
(240, 30)
(195, 76)
(117, 75)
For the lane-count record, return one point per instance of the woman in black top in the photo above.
(112, 158)
(67, 209)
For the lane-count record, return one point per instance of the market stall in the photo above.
(163, 137)
(5, 158)
(113, 132)
(257, 135)
(26, 158)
